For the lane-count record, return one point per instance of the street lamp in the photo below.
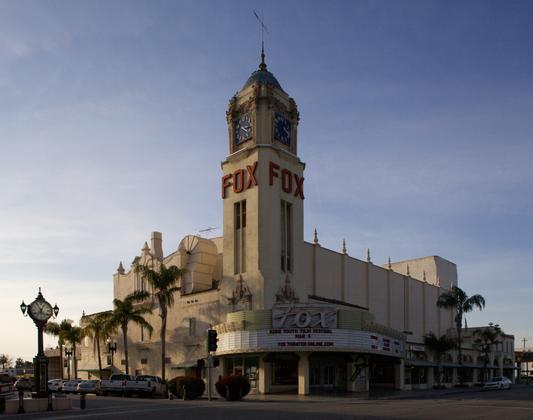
(68, 354)
(111, 348)
(40, 311)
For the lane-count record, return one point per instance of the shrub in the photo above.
(233, 387)
(194, 387)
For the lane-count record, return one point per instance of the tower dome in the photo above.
(262, 76)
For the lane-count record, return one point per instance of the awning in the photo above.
(107, 368)
(420, 363)
(450, 365)
(186, 364)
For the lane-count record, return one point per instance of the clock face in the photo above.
(40, 310)
(282, 129)
(243, 128)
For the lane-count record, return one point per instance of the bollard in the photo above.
(21, 402)
(82, 401)
(184, 392)
(50, 404)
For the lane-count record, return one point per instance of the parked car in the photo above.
(89, 387)
(24, 384)
(130, 385)
(55, 385)
(71, 386)
(498, 382)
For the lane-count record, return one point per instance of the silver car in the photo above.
(91, 386)
(55, 385)
(71, 386)
(498, 382)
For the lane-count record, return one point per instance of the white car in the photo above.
(71, 386)
(91, 386)
(55, 385)
(498, 382)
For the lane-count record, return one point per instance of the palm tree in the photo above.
(58, 330)
(439, 346)
(98, 328)
(163, 284)
(485, 339)
(74, 335)
(460, 303)
(125, 312)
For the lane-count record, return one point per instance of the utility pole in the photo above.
(524, 359)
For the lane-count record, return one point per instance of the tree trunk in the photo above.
(75, 361)
(97, 338)
(125, 337)
(163, 342)
(460, 352)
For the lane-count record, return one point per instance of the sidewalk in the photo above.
(373, 395)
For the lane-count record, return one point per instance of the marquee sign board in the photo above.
(308, 339)
(303, 316)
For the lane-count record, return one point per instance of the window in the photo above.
(144, 361)
(192, 326)
(240, 237)
(286, 236)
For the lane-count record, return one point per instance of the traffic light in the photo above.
(211, 340)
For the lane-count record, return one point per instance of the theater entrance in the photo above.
(327, 372)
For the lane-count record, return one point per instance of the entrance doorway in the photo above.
(382, 372)
(327, 372)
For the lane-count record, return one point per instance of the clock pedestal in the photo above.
(40, 363)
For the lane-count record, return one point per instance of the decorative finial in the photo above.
(83, 313)
(344, 246)
(389, 265)
(368, 255)
(146, 248)
(315, 239)
(424, 275)
(120, 269)
(262, 66)
(408, 273)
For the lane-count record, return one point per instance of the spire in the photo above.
(344, 246)
(146, 248)
(408, 273)
(368, 255)
(315, 239)
(120, 269)
(389, 264)
(424, 275)
(262, 66)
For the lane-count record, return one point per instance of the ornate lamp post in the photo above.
(111, 348)
(40, 311)
(68, 354)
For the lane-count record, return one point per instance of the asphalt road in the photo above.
(514, 404)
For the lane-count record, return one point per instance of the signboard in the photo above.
(303, 316)
(308, 339)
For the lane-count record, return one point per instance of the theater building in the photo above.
(290, 314)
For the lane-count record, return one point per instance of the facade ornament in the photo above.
(315, 239)
(286, 293)
(389, 264)
(368, 259)
(146, 248)
(424, 275)
(120, 269)
(240, 294)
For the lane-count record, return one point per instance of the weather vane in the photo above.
(264, 29)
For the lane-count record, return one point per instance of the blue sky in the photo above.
(112, 125)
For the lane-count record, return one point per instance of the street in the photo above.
(514, 404)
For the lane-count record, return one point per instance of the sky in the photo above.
(416, 127)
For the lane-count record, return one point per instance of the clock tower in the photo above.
(262, 189)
